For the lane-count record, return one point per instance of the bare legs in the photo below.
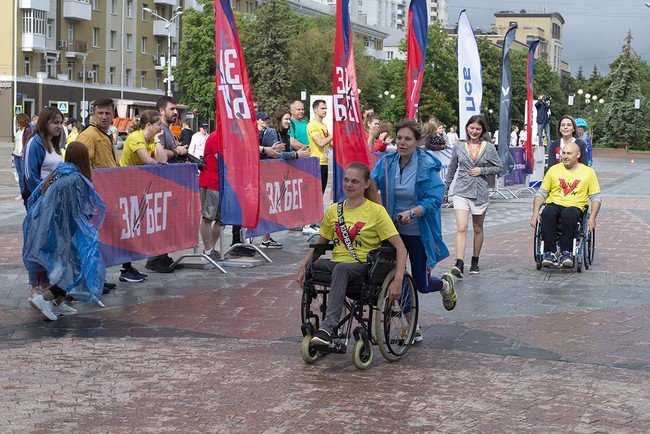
(462, 219)
(210, 233)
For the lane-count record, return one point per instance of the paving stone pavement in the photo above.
(201, 351)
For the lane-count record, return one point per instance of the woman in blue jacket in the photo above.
(43, 151)
(398, 175)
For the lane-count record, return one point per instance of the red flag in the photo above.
(349, 143)
(236, 125)
(530, 72)
(416, 48)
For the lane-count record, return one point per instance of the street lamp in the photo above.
(168, 25)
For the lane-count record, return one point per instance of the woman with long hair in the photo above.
(143, 145)
(418, 216)
(359, 210)
(43, 151)
(474, 159)
(61, 235)
(276, 139)
(566, 132)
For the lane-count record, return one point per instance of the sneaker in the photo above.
(158, 266)
(44, 306)
(271, 244)
(167, 260)
(108, 287)
(310, 230)
(565, 260)
(449, 296)
(457, 269)
(132, 275)
(63, 308)
(215, 255)
(321, 338)
(243, 251)
(549, 259)
(473, 269)
(418, 335)
(35, 292)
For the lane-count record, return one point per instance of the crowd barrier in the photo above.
(151, 210)
(518, 174)
(290, 195)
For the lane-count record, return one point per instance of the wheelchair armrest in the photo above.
(320, 249)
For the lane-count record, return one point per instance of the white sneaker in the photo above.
(64, 308)
(310, 230)
(44, 306)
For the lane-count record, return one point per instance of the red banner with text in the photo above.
(290, 195)
(151, 210)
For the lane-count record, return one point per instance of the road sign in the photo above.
(63, 107)
(84, 114)
(84, 105)
(18, 109)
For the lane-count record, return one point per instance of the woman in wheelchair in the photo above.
(366, 225)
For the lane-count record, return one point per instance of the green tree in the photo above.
(196, 67)
(624, 122)
(270, 67)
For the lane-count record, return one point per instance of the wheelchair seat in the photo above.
(324, 278)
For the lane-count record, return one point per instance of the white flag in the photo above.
(470, 82)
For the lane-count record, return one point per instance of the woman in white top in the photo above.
(43, 152)
(197, 143)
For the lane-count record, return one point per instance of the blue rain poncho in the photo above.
(61, 233)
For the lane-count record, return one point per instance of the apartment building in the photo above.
(69, 51)
(547, 27)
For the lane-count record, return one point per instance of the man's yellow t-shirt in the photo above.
(133, 142)
(570, 187)
(316, 128)
(368, 225)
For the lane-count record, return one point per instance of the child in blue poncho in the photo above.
(61, 234)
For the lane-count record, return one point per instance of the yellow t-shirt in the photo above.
(368, 225)
(570, 187)
(133, 142)
(315, 128)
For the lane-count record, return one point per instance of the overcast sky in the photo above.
(594, 31)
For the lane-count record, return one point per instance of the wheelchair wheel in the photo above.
(537, 246)
(362, 354)
(396, 320)
(307, 350)
(591, 245)
(311, 306)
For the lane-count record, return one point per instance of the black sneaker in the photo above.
(458, 268)
(271, 244)
(158, 266)
(565, 260)
(243, 251)
(132, 275)
(549, 259)
(473, 269)
(108, 287)
(321, 338)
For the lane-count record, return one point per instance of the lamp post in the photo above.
(168, 25)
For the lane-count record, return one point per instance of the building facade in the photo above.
(70, 51)
(547, 27)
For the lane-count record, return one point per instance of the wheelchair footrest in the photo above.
(337, 346)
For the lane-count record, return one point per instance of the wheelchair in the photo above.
(584, 243)
(388, 324)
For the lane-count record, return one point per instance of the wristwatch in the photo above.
(411, 214)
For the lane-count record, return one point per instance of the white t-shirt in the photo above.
(513, 138)
(52, 159)
(197, 144)
(18, 143)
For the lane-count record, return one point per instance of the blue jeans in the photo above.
(423, 283)
(547, 128)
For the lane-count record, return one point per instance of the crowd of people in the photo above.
(54, 157)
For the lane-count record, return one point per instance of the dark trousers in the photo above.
(550, 216)
(323, 177)
(342, 274)
(418, 259)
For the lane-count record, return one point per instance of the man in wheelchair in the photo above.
(356, 227)
(566, 188)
